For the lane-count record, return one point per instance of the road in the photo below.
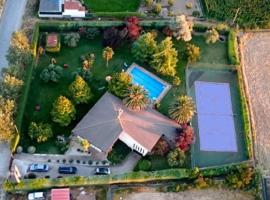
(10, 21)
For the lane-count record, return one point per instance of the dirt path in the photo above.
(208, 194)
(255, 51)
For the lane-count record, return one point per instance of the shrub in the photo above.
(79, 91)
(161, 148)
(201, 182)
(240, 178)
(176, 81)
(89, 33)
(157, 8)
(71, 39)
(196, 13)
(63, 111)
(232, 48)
(31, 149)
(19, 149)
(193, 53)
(185, 139)
(211, 36)
(144, 165)
(119, 84)
(52, 73)
(144, 47)
(148, 3)
(114, 37)
(40, 132)
(171, 2)
(10, 86)
(176, 158)
(133, 27)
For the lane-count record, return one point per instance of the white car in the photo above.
(36, 196)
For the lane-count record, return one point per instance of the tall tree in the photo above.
(211, 36)
(119, 84)
(182, 27)
(182, 110)
(63, 111)
(193, 53)
(136, 98)
(79, 91)
(108, 54)
(7, 125)
(165, 59)
(144, 47)
(20, 40)
(10, 86)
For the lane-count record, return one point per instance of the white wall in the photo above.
(133, 144)
(49, 16)
(74, 13)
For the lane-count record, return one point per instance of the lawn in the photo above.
(112, 5)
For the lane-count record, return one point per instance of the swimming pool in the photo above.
(155, 87)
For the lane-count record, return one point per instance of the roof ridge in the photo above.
(97, 124)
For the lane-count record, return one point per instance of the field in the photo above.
(256, 62)
(112, 5)
(247, 13)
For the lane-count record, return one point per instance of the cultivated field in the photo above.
(256, 66)
(207, 194)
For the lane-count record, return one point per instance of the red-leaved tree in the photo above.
(185, 138)
(133, 28)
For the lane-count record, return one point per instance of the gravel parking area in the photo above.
(255, 51)
(207, 194)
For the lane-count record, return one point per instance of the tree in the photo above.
(20, 40)
(79, 91)
(211, 36)
(185, 139)
(10, 86)
(119, 84)
(108, 54)
(63, 111)
(157, 8)
(40, 132)
(88, 61)
(71, 39)
(161, 148)
(51, 73)
(182, 110)
(136, 98)
(7, 125)
(133, 27)
(182, 27)
(114, 37)
(176, 158)
(144, 47)
(193, 53)
(90, 33)
(165, 58)
(171, 2)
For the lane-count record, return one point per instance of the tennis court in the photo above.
(218, 121)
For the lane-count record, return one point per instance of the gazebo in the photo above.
(60, 194)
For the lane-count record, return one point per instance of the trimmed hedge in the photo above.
(118, 15)
(232, 50)
(27, 79)
(131, 177)
(14, 142)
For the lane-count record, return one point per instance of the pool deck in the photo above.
(167, 85)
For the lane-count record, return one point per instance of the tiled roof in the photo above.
(60, 194)
(73, 5)
(52, 40)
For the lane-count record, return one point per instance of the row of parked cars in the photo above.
(65, 169)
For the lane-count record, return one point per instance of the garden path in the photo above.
(10, 21)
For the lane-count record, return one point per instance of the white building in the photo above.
(61, 8)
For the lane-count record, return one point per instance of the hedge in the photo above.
(27, 80)
(14, 142)
(131, 177)
(232, 48)
(118, 15)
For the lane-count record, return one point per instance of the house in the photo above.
(61, 8)
(109, 120)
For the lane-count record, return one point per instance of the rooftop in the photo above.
(50, 6)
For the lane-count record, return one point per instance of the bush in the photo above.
(89, 33)
(157, 8)
(40, 132)
(193, 53)
(19, 149)
(31, 149)
(118, 153)
(185, 138)
(71, 39)
(119, 84)
(232, 48)
(119, 15)
(240, 178)
(143, 165)
(161, 148)
(52, 73)
(196, 13)
(211, 36)
(176, 158)
(176, 81)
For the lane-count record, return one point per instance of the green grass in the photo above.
(44, 94)
(112, 5)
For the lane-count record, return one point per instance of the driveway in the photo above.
(10, 21)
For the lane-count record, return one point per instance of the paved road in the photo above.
(11, 21)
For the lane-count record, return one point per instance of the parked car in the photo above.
(38, 167)
(103, 171)
(36, 196)
(67, 170)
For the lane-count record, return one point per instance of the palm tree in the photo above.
(108, 54)
(136, 98)
(182, 110)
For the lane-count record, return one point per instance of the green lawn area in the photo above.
(112, 5)
(44, 94)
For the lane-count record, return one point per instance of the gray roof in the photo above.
(50, 5)
(102, 125)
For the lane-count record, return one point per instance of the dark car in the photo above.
(102, 171)
(38, 168)
(67, 170)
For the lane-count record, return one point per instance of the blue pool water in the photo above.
(150, 84)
